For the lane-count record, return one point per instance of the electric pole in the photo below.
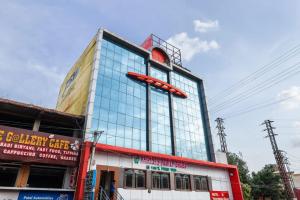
(281, 160)
(222, 135)
(97, 135)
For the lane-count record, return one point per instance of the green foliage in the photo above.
(246, 191)
(234, 159)
(266, 183)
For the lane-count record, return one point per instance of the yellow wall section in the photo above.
(74, 95)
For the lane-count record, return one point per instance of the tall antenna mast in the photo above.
(281, 160)
(221, 134)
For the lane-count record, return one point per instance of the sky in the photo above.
(221, 41)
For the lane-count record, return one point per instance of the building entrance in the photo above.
(106, 181)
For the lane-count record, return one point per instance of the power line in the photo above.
(258, 73)
(259, 88)
(262, 85)
(256, 107)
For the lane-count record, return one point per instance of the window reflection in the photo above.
(188, 126)
(120, 108)
(160, 116)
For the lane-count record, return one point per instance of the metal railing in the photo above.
(103, 195)
(117, 196)
(172, 51)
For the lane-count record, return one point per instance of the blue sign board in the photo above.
(45, 195)
(90, 183)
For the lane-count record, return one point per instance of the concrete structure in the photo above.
(296, 178)
(39, 150)
(157, 141)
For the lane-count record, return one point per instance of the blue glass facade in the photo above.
(120, 107)
(188, 124)
(160, 115)
(120, 102)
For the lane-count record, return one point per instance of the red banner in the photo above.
(219, 195)
(30, 146)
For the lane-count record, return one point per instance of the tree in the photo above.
(234, 159)
(246, 191)
(266, 183)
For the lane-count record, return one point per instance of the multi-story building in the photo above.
(151, 112)
(39, 152)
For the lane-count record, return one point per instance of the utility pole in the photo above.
(281, 160)
(97, 135)
(222, 135)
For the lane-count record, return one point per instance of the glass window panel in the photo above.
(204, 184)
(178, 181)
(165, 181)
(140, 179)
(160, 115)
(118, 95)
(188, 121)
(129, 178)
(155, 180)
(186, 182)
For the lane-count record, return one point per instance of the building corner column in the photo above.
(82, 170)
(235, 184)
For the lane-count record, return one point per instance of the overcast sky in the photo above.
(221, 41)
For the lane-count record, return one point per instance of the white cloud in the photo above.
(294, 94)
(191, 46)
(296, 124)
(204, 26)
(296, 141)
(50, 73)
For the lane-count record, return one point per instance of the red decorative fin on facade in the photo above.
(158, 83)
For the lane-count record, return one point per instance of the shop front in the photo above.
(37, 165)
(143, 175)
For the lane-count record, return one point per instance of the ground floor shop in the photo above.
(37, 165)
(36, 181)
(142, 175)
(20, 194)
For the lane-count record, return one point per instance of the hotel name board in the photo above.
(159, 162)
(37, 147)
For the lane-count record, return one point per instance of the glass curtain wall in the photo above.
(160, 115)
(120, 107)
(188, 125)
(120, 102)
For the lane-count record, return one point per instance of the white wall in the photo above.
(296, 178)
(220, 179)
(162, 195)
(9, 194)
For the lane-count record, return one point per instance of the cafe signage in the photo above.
(31, 146)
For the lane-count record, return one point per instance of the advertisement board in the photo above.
(31, 146)
(74, 90)
(90, 184)
(158, 162)
(45, 195)
(219, 195)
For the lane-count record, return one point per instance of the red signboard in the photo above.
(219, 195)
(37, 147)
(297, 193)
(158, 83)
